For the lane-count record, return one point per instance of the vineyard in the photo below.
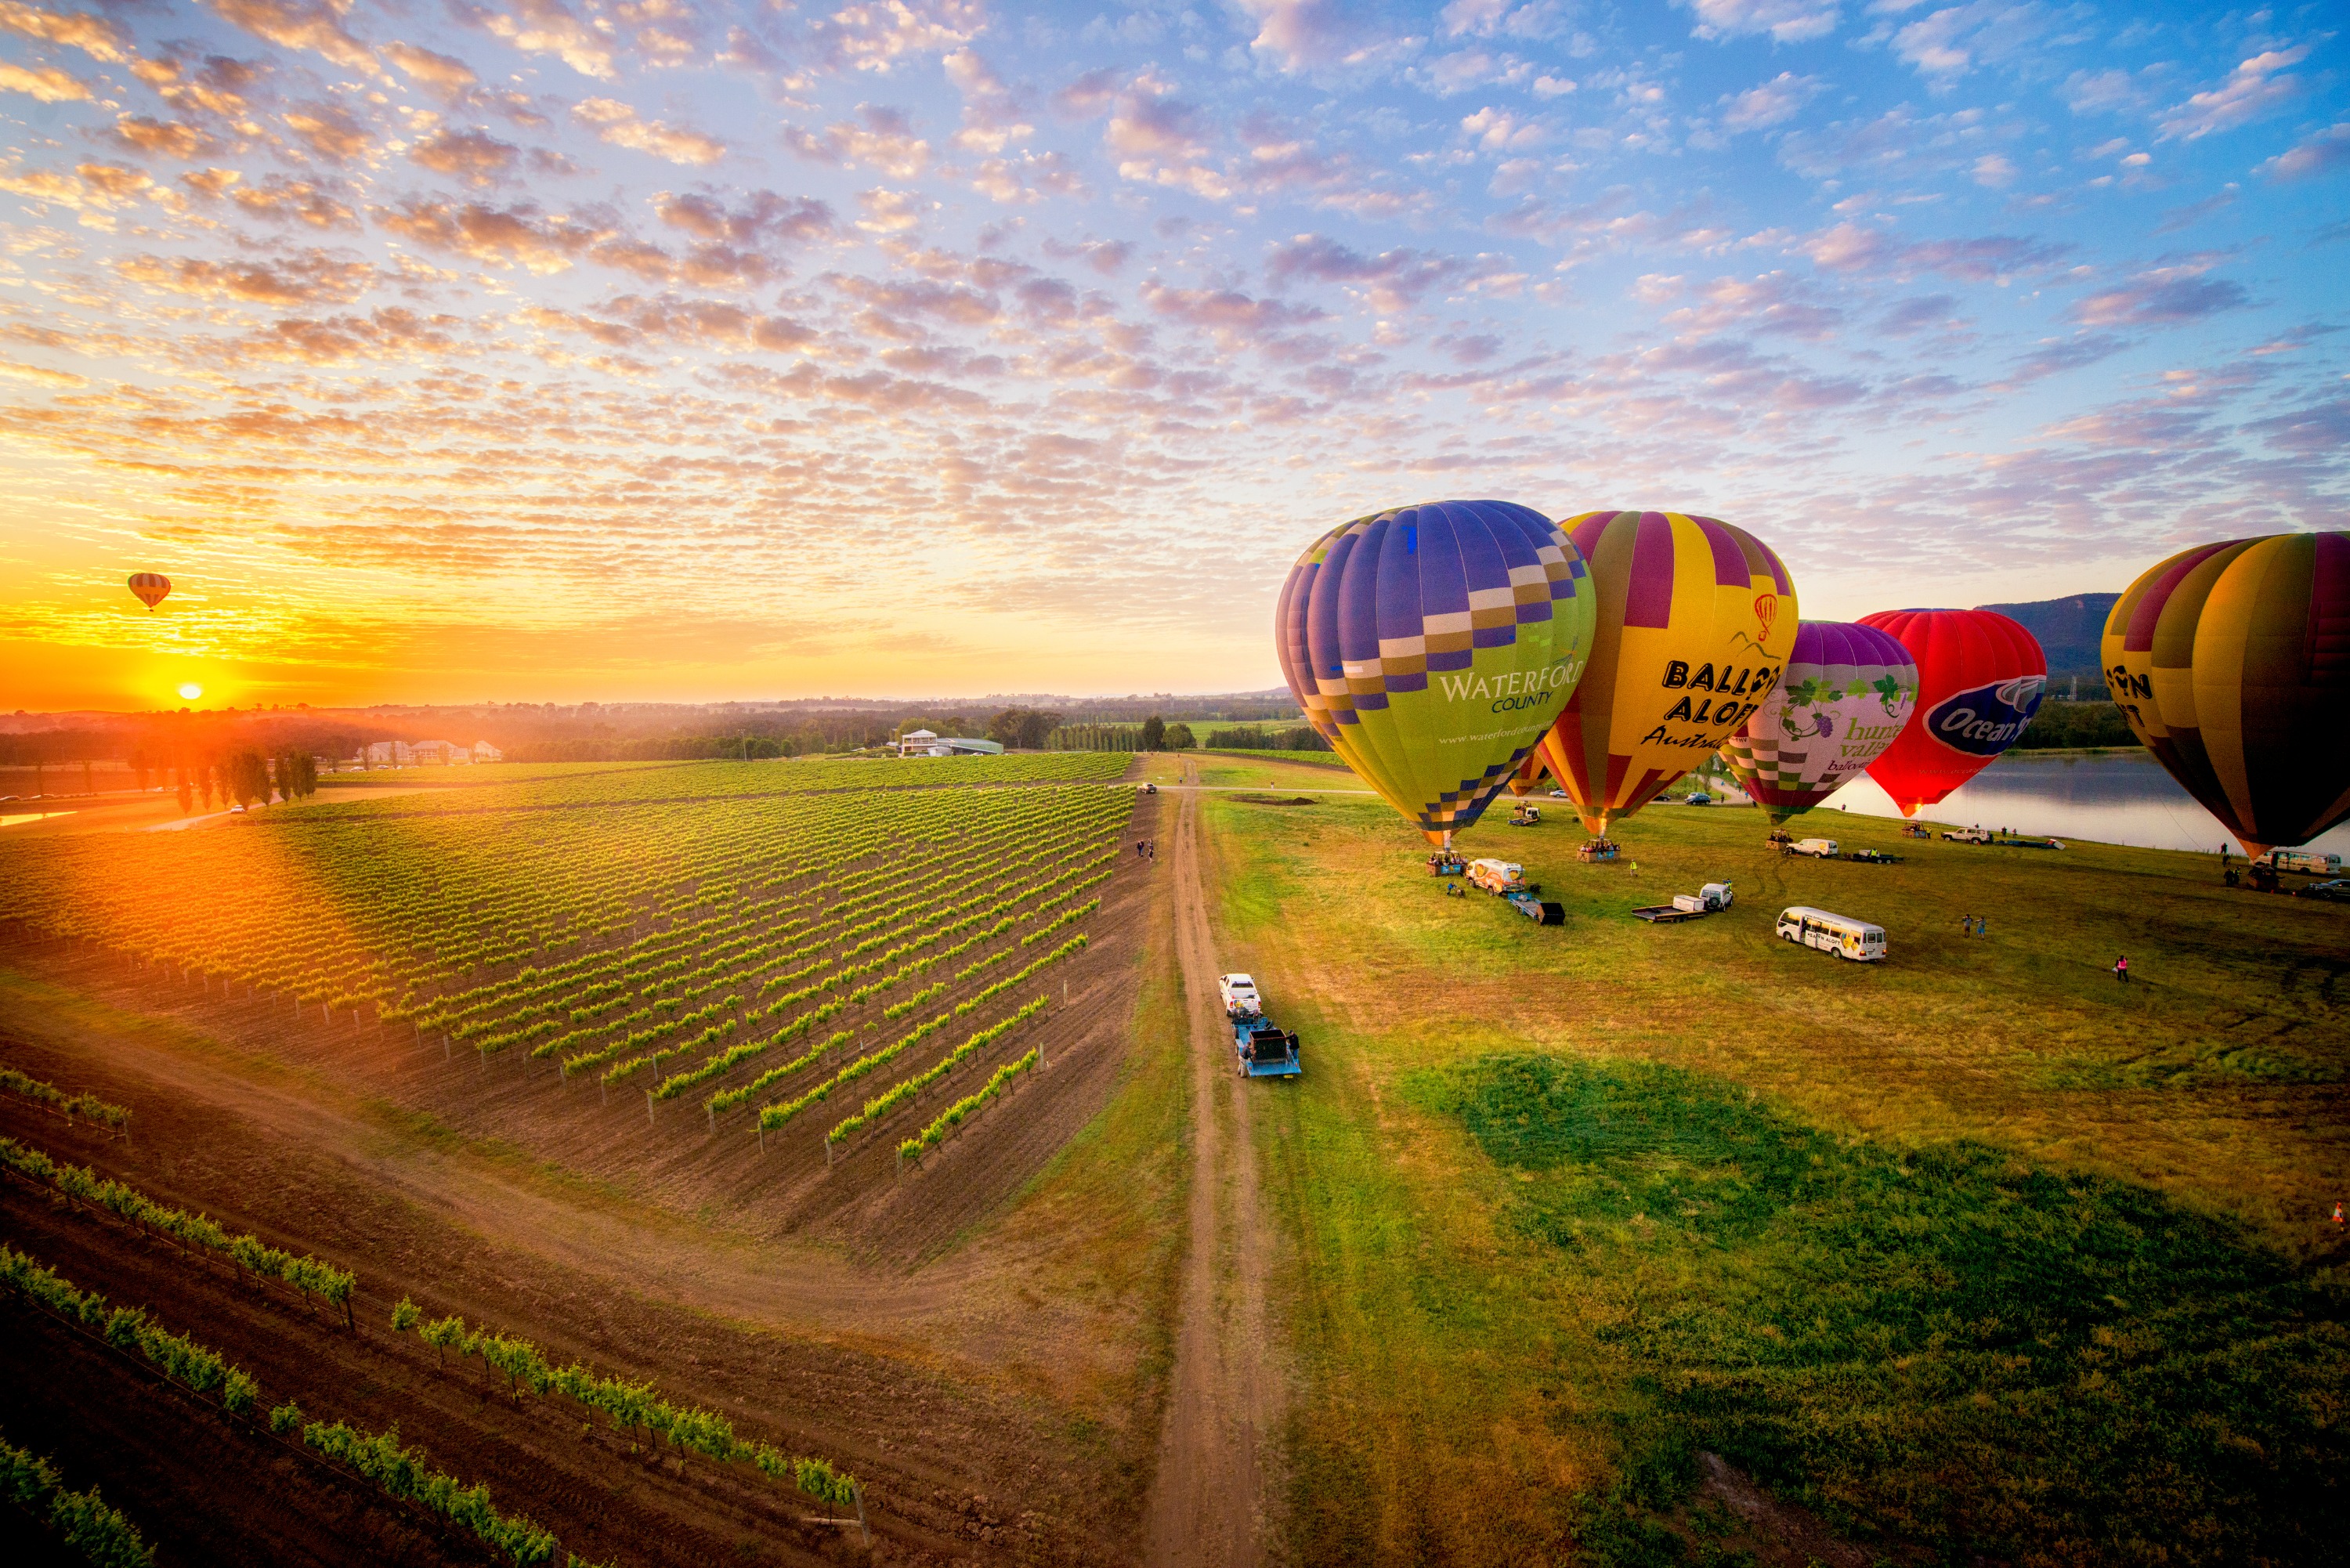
(869, 998)
(759, 946)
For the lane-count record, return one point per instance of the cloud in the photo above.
(618, 124)
(879, 137)
(329, 131)
(44, 82)
(1393, 280)
(1935, 311)
(2165, 296)
(544, 27)
(446, 76)
(1157, 138)
(1993, 171)
(875, 37)
(992, 119)
(2323, 153)
(295, 201)
(763, 217)
(93, 36)
(92, 187)
(300, 278)
(313, 24)
(1947, 43)
(888, 212)
(501, 236)
(1225, 309)
(1301, 34)
(1786, 21)
(474, 157)
(1776, 302)
(160, 138)
(1852, 248)
(1774, 102)
(2253, 89)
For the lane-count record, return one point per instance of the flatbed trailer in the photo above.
(1667, 915)
(1265, 1049)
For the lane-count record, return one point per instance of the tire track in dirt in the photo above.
(1208, 1502)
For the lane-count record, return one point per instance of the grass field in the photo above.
(1975, 1251)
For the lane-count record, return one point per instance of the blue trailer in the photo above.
(1265, 1049)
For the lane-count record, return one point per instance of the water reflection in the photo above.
(2123, 798)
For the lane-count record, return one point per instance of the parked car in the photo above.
(1698, 797)
(2337, 891)
(1818, 848)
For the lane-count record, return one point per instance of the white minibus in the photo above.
(1838, 934)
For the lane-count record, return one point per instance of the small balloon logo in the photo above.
(1766, 610)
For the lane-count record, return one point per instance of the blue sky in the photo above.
(563, 349)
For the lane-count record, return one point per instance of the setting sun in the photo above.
(190, 691)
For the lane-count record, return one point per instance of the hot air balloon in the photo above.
(1432, 644)
(150, 586)
(2231, 662)
(1695, 620)
(1980, 677)
(1846, 694)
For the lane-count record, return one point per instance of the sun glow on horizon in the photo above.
(189, 691)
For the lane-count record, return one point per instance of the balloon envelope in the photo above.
(150, 586)
(2231, 661)
(1695, 620)
(1980, 678)
(1432, 644)
(1846, 694)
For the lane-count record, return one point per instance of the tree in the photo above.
(1154, 734)
(1036, 728)
(1179, 738)
(248, 777)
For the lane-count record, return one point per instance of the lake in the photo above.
(2124, 798)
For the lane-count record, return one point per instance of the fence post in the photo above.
(649, 1107)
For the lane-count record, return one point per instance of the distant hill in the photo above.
(2068, 629)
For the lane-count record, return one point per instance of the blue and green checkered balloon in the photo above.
(1432, 645)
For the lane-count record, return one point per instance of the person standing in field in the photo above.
(2121, 969)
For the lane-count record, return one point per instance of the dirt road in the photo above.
(1208, 1507)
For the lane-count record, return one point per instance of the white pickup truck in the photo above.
(1240, 996)
(1817, 849)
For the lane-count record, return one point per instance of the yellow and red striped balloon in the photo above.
(150, 586)
(2231, 661)
(1696, 621)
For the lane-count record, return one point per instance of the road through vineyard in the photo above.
(1209, 1503)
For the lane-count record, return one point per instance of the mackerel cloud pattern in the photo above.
(1432, 645)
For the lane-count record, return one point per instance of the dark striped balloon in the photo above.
(2231, 661)
(151, 588)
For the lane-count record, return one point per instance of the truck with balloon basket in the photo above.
(1263, 1048)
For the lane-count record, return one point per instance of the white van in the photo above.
(1838, 934)
(2307, 860)
(1817, 849)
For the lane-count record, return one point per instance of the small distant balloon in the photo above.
(151, 588)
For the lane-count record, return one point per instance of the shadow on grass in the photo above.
(1944, 1351)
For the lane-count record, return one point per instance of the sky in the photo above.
(446, 351)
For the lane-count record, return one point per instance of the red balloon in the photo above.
(1980, 677)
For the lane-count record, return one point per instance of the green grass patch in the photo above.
(1943, 1345)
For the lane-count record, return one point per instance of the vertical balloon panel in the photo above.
(1696, 619)
(1431, 644)
(2230, 662)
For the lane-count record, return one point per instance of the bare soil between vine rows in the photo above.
(874, 1318)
